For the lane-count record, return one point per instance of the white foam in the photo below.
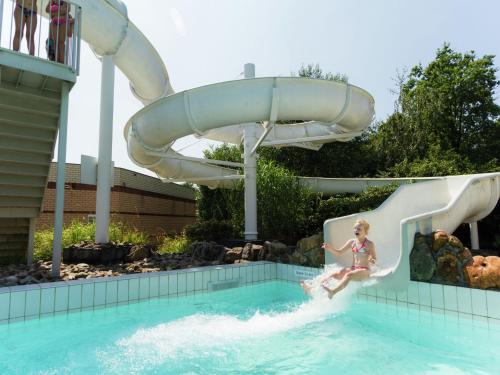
(200, 334)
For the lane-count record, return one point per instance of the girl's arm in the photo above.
(335, 251)
(373, 253)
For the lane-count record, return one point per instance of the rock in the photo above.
(209, 251)
(298, 258)
(422, 265)
(11, 279)
(455, 242)
(139, 252)
(439, 238)
(483, 272)
(449, 268)
(233, 255)
(276, 248)
(310, 249)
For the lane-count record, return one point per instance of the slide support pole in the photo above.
(105, 150)
(250, 160)
(474, 236)
(60, 176)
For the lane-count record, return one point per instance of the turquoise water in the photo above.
(269, 328)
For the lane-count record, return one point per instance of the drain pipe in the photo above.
(250, 160)
(105, 150)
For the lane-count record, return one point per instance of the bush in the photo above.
(77, 232)
(346, 204)
(209, 230)
(176, 244)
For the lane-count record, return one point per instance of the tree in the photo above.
(446, 108)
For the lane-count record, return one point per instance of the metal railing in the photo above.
(47, 29)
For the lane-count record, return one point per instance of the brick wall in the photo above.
(140, 201)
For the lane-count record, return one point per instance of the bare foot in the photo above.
(307, 288)
(330, 292)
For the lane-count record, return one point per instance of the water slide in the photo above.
(333, 111)
(424, 207)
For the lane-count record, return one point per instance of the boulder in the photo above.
(422, 264)
(483, 272)
(310, 249)
(276, 248)
(209, 251)
(139, 252)
(250, 252)
(233, 255)
(439, 238)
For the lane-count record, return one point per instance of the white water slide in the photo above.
(334, 111)
(423, 207)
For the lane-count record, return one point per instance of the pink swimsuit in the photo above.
(362, 250)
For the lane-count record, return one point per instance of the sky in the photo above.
(208, 41)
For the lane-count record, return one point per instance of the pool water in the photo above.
(268, 328)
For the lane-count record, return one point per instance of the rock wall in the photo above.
(441, 258)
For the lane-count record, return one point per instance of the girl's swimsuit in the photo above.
(362, 250)
(27, 12)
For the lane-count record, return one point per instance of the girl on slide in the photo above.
(363, 255)
(61, 28)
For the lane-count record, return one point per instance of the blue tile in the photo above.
(164, 285)
(62, 298)
(75, 297)
(4, 306)
(48, 300)
(133, 289)
(17, 305)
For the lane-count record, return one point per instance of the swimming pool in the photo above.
(263, 328)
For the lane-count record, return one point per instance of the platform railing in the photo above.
(47, 29)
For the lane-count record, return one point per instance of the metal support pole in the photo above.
(61, 164)
(31, 241)
(250, 160)
(474, 236)
(1, 18)
(105, 150)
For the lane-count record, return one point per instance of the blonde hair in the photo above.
(363, 223)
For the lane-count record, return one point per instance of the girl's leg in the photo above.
(19, 22)
(307, 288)
(356, 275)
(61, 44)
(31, 23)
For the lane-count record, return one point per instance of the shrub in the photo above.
(209, 230)
(176, 244)
(77, 232)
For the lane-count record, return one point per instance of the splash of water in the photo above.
(201, 334)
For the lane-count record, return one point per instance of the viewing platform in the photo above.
(34, 92)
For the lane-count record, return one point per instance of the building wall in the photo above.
(140, 201)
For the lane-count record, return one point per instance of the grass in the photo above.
(175, 244)
(77, 232)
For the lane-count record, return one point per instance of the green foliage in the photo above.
(449, 104)
(209, 230)
(175, 244)
(282, 202)
(315, 72)
(77, 232)
(346, 204)
(436, 163)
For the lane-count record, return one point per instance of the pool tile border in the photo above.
(452, 302)
(32, 301)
